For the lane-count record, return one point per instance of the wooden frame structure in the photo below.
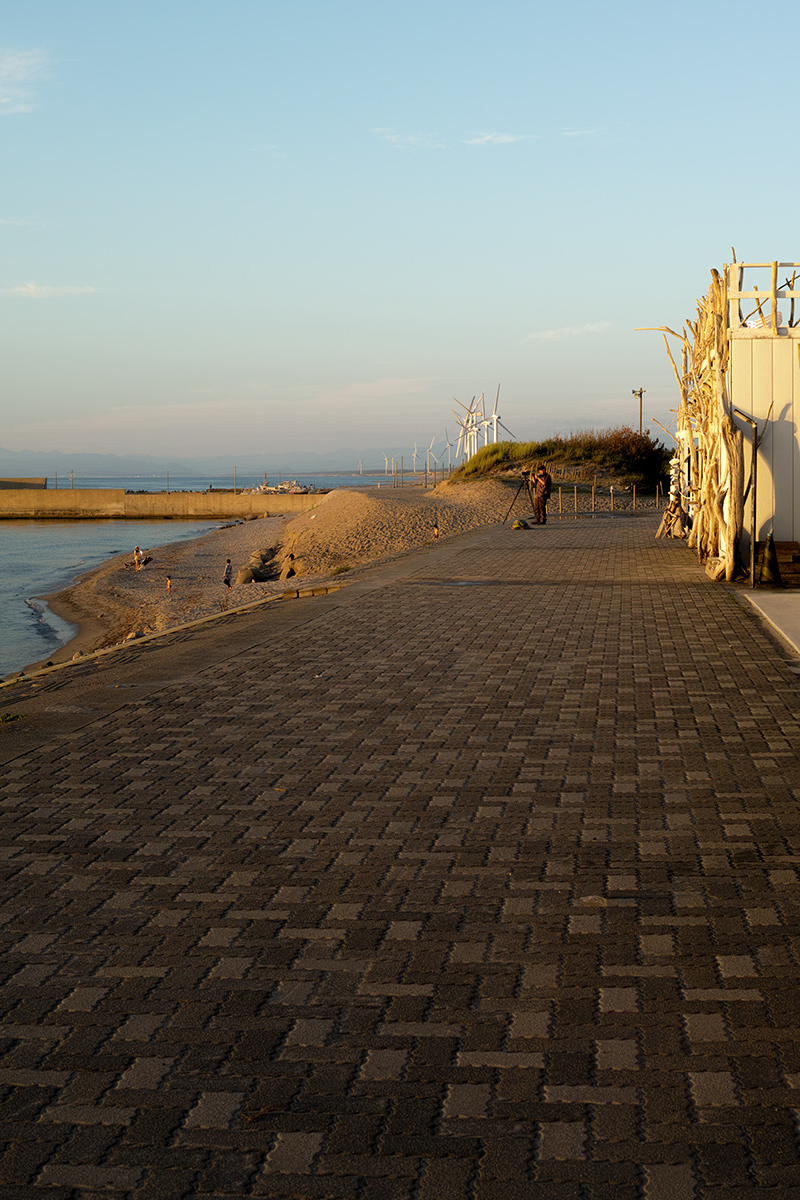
(739, 369)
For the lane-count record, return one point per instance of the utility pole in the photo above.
(639, 393)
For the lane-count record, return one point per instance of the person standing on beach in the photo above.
(543, 483)
(169, 583)
(137, 557)
(227, 574)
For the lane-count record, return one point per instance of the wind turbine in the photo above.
(386, 460)
(360, 467)
(415, 458)
(470, 425)
(464, 425)
(494, 420)
(428, 458)
(449, 445)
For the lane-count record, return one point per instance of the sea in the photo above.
(40, 557)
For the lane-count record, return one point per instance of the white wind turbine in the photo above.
(470, 426)
(428, 454)
(415, 458)
(463, 435)
(494, 420)
(449, 446)
(386, 460)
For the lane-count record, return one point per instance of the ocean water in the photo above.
(199, 483)
(39, 557)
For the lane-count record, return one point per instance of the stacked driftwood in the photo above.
(708, 435)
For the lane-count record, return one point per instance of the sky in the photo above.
(258, 225)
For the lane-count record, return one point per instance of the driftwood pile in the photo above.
(711, 438)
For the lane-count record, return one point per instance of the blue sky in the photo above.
(274, 225)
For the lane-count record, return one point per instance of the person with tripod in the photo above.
(543, 485)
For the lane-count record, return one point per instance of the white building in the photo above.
(764, 384)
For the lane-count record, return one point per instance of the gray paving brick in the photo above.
(563, 1140)
(467, 1100)
(293, 1153)
(99, 1179)
(669, 1181)
(425, 892)
(214, 1110)
(713, 1088)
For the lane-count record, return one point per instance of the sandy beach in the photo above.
(350, 530)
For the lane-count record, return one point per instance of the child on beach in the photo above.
(169, 583)
(137, 557)
(227, 574)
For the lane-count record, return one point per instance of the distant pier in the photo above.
(26, 503)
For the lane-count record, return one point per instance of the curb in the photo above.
(292, 594)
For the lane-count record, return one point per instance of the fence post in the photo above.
(634, 496)
(576, 498)
(560, 506)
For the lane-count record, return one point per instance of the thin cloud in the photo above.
(580, 132)
(11, 221)
(410, 141)
(43, 291)
(19, 70)
(496, 139)
(569, 331)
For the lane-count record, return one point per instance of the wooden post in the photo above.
(576, 498)
(612, 499)
(594, 493)
(560, 505)
(634, 496)
(401, 470)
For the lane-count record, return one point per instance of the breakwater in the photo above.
(94, 504)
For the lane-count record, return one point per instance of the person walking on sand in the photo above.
(543, 484)
(169, 583)
(137, 557)
(227, 574)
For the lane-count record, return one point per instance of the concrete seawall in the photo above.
(86, 504)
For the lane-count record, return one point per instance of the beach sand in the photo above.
(350, 530)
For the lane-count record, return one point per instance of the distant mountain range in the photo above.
(20, 463)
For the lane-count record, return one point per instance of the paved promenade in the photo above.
(476, 880)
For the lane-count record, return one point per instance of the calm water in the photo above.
(38, 557)
(199, 483)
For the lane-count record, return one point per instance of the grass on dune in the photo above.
(636, 458)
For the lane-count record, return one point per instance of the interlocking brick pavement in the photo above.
(477, 879)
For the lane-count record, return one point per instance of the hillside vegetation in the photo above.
(636, 459)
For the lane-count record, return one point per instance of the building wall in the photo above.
(94, 503)
(764, 371)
